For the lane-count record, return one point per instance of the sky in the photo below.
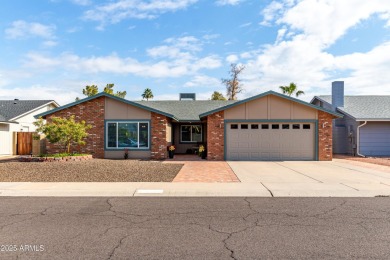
(52, 49)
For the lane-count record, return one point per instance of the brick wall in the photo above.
(92, 112)
(215, 136)
(158, 134)
(325, 150)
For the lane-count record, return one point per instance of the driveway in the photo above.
(337, 178)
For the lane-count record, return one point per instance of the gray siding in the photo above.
(375, 139)
(344, 135)
(344, 132)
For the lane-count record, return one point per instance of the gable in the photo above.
(270, 107)
(115, 109)
(275, 94)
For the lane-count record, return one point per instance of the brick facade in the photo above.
(92, 112)
(158, 134)
(325, 150)
(215, 136)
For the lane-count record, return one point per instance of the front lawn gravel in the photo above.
(96, 170)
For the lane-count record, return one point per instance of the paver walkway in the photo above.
(198, 170)
(206, 171)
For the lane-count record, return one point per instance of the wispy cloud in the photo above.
(203, 81)
(82, 2)
(22, 30)
(119, 10)
(245, 25)
(177, 57)
(229, 2)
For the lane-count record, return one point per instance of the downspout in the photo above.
(358, 139)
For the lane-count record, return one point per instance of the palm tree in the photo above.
(147, 94)
(291, 89)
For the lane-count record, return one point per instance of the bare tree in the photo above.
(233, 86)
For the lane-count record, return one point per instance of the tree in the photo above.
(233, 86)
(92, 90)
(148, 94)
(109, 89)
(217, 96)
(64, 131)
(291, 89)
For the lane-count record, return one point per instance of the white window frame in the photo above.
(181, 134)
(117, 135)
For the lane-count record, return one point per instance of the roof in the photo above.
(363, 107)
(10, 109)
(186, 110)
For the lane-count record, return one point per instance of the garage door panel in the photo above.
(270, 144)
(244, 156)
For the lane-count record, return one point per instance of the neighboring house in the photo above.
(269, 126)
(18, 116)
(365, 128)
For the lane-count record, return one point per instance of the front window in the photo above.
(191, 133)
(134, 135)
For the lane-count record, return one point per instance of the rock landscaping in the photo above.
(95, 170)
(55, 159)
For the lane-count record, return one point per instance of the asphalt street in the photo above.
(194, 228)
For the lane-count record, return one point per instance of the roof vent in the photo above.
(16, 99)
(187, 96)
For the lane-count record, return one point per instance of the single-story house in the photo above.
(364, 128)
(18, 116)
(268, 126)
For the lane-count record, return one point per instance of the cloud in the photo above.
(117, 65)
(232, 58)
(114, 12)
(50, 43)
(22, 30)
(82, 2)
(325, 21)
(183, 47)
(229, 2)
(245, 25)
(203, 81)
(300, 52)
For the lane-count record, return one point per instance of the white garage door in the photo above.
(5, 140)
(270, 141)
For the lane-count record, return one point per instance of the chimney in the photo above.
(337, 94)
(187, 96)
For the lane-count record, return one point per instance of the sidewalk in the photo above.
(180, 189)
(130, 189)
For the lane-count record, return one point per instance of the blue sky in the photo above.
(52, 49)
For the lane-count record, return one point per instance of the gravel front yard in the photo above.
(96, 170)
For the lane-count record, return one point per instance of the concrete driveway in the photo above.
(337, 178)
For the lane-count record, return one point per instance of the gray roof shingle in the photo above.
(186, 110)
(364, 107)
(12, 108)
